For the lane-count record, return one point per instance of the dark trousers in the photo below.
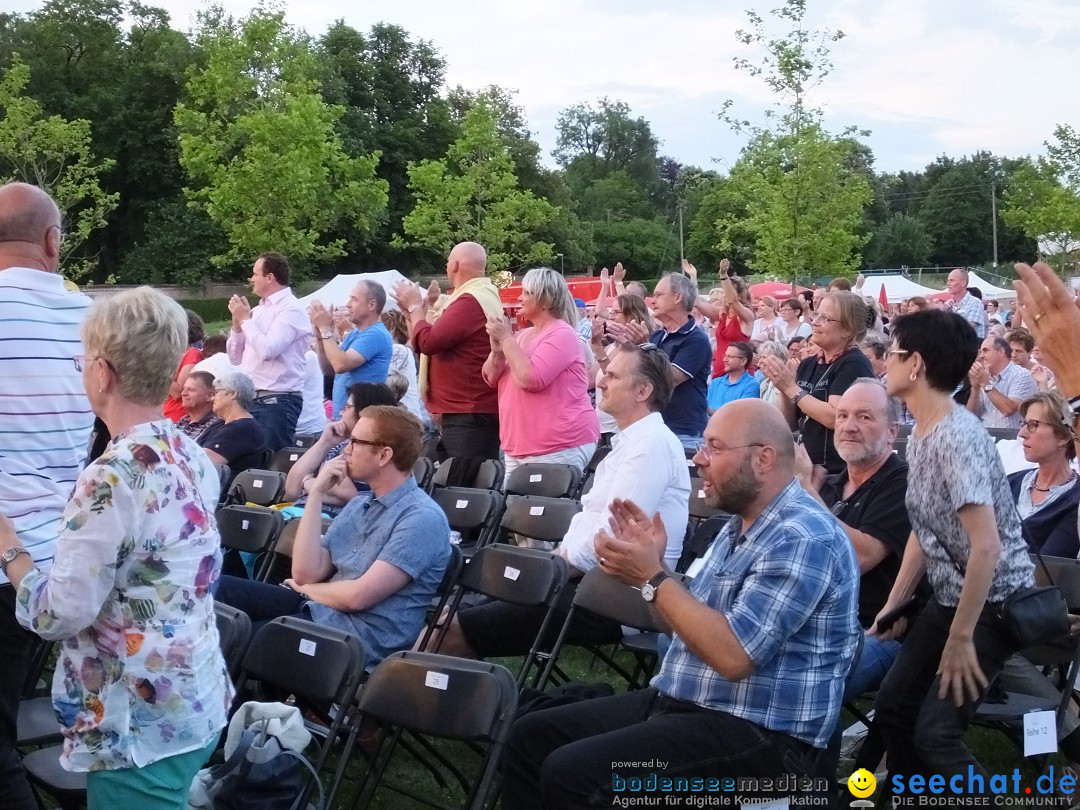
(469, 434)
(16, 646)
(566, 757)
(924, 734)
(277, 414)
(261, 602)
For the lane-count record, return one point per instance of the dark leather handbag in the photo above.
(1036, 615)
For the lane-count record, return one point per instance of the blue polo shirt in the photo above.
(722, 390)
(376, 346)
(689, 350)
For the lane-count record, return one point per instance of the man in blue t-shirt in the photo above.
(363, 355)
(736, 382)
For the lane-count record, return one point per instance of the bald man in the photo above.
(452, 339)
(963, 302)
(45, 422)
(763, 641)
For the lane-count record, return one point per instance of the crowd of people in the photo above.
(789, 410)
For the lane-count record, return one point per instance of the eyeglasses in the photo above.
(217, 391)
(838, 508)
(708, 451)
(820, 317)
(80, 361)
(1031, 425)
(354, 441)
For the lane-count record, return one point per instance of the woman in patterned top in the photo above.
(965, 537)
(140, 688)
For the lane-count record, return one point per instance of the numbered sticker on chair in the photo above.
(257, 484)
(536, 510)
(461, 504)
(534, 478)
(511, 573)
(1040, 733)
(294, 456)
(244, 524)
(701, 493)
(307, 646)
(437, 680)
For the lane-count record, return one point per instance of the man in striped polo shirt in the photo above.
(45, 422)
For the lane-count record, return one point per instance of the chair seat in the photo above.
(37, 722)
(1015, 706)
(43, 767)
(641, 642)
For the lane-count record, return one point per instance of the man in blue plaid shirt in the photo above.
(763, 640)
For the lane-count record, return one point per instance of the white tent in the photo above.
(987, 289)
(897, 288)
(335, 293)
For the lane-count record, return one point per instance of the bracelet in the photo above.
(1074, 403)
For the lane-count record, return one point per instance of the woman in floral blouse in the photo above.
(140, 688)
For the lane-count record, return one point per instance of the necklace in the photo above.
(1035, 485)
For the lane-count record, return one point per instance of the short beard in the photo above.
(734, 493)
(867, 454)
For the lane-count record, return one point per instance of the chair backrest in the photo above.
(473, 513)
(234, 632)
(249, 528)
(304, 442)
(900, 448)
(605, 596)
(701, 538)
(320, 664)
(262, 487)
(1002, 433)
(451, 577)
(539, 518)
(225, 475)
(489, 474)
(549, 480)
(521, 576)
(423, 471)
(285, 458)
(1065, 573)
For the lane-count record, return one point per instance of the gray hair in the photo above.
(141, 334)
(240, 384)
(682, 286)
(893, 408)
(654, 369)
(773, 348)
(551, 293)
(877, 343)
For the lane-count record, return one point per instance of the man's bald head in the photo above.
(755, 422)
(29, 226)
(471, 260)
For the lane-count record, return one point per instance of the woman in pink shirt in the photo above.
(544, 408)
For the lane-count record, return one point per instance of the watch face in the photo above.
(648, 592)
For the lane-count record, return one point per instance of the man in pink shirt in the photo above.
(268, 343)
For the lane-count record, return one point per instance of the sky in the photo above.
(925, 78)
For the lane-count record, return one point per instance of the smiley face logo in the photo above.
(861, 783)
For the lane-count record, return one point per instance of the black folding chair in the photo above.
(253, 529)
(538, 518)
(261, 487)
(520, 576)
(451, 576)
(589, 472)
(304, 442)
(234, 633)
(489, 474)
(322, 668)
(699, 508)
(607, 597)
(284, 459)
(423, 472)
(699, 540)
(472, 513)
(548, 480)
(445, 698)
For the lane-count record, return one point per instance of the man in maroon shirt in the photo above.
(453, 343)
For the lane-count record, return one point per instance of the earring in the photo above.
(913, 376)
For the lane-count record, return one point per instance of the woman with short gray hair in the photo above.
(140, 688)
(239, 440)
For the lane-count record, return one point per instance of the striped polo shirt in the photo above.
(45, 418)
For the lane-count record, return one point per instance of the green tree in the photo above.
(718, 227)
(645, 247)
(260, 147)
(473, 195)
(805, 189)
(1043, 199)
(900, 241)
(54, 154)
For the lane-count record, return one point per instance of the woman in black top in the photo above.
(239, 440)
(812, 391)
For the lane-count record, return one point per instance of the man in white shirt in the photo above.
(646, 461)
(268, 343)
(998, 385)
(964, 303)
(45, 422)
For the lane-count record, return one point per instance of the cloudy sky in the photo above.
(926, 78)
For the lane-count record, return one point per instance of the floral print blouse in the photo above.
(140, 675)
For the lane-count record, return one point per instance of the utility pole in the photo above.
(993, 215)
(562, 264)
(682, 254)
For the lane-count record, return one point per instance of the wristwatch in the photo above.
(648, 590)
(795, 399)
(9, 556)
(327, 334)
(412, 308)
(988, 387)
